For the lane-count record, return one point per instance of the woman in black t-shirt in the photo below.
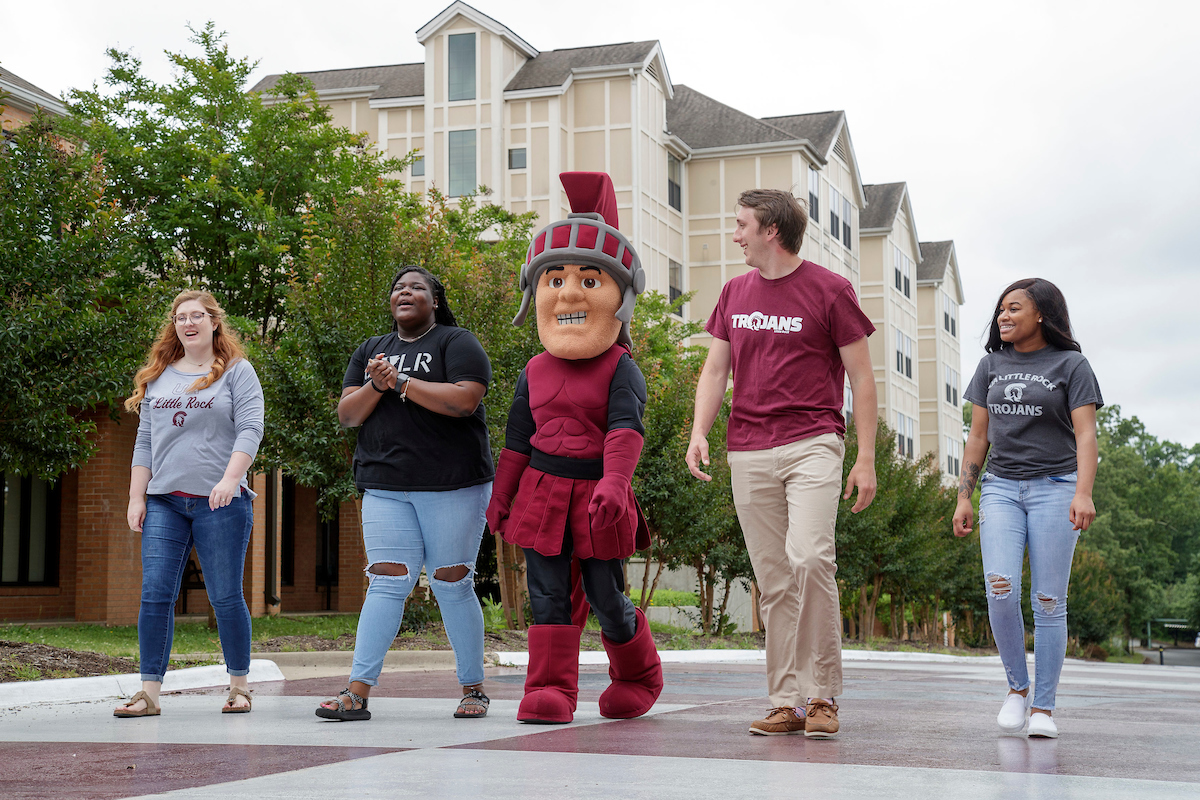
(425, 469)
(1034, 402)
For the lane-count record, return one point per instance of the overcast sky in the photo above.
(1052, 139)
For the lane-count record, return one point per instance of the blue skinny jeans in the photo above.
(1014, 515)
(441, 529)
(172, 526)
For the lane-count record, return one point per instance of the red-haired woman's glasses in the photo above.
(196, 317)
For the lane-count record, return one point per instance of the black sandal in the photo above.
(343, 714)
(472, 699)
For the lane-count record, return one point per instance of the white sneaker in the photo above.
(1042, 726)
(1011, 718)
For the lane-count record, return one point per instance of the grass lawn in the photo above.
(190, 637)
(197, 637)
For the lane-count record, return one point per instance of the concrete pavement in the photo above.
(910, 729)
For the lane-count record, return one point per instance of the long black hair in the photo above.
(442, 314)
(1050, 303)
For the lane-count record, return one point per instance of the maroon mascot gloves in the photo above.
(613, 496)
(504, 487)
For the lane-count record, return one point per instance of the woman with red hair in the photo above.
(201, 409)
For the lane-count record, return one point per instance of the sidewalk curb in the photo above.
(79, 690)
(599, 657)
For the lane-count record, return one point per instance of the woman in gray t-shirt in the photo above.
(201, 409)
(1034, 402)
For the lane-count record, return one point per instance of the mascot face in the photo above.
(576, 311)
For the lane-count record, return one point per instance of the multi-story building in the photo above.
(890, 254)
(911, 290)
(939, 296)
(485, 108)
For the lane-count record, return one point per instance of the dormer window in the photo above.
(462, 66)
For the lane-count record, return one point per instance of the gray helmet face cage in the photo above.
(632, 281)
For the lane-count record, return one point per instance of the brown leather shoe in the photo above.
(779, 722)
(820, 719)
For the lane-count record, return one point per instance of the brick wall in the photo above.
(100, 574)
(27, 603)
(108, 571)
(352, 582)
(304, 594)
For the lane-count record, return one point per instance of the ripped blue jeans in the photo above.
(1014, 515)
(438, 529)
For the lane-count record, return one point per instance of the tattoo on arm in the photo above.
(970, 476)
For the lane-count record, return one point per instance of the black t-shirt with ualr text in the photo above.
(405, 447)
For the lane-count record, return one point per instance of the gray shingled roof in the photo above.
(935, 257)
(883, 202)
(820, 128)
(553, 67)
(702, 122)
(396, 80)
(20, 83)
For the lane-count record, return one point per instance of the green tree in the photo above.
(1147, 528)
(352, 257)
(228, 185)
(898, 545)
(73, 326)
(693, 524)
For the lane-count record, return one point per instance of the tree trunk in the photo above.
(724, 606)
(510, 569)
(648, 597)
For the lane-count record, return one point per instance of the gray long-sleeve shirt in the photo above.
(186, 438)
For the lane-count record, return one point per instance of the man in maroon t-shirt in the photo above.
(791, 331)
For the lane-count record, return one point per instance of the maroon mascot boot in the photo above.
(552, 682)
(636, 673)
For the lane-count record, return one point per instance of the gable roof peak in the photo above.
(459, 8)
(883, 204)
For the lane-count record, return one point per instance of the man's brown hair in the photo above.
(778, 209)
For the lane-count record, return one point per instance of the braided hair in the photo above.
(442, 314)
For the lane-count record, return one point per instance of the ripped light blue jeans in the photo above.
(441, 529)
(1014, 515)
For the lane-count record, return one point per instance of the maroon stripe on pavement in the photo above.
(91, 771)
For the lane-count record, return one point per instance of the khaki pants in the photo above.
(787, 502)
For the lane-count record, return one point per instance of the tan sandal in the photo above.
(229, 708)
(151, 709)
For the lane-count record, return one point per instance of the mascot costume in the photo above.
(562, 490)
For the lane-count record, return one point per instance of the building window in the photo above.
(846, 222)
(675, 279)
(953, 456)
(905, 431)
(904, 348)
(418, 167)
(950, 315)
(674, 182)
(462, 66)
(516, 158)
(902, 269)
(814, 195)
(462, 163)
(29, 549)
(952, 386)
(835, 224)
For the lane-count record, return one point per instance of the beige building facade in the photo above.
(939, 336)
(890, 253)
(487, 109)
